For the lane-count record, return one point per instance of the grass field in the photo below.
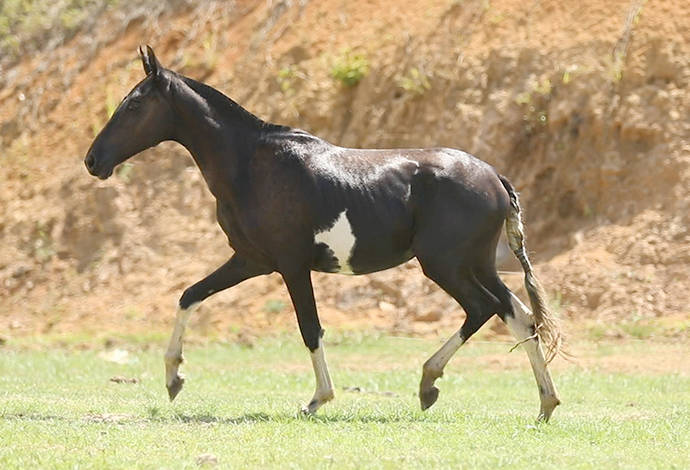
(59, 409)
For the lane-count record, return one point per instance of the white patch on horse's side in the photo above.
(340, 239)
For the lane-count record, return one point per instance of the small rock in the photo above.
(206, 460)
(386, 306)
(428, 316)
(20, 271)
(118, 379)
(108, 418)
(357, 389)
(118, 356)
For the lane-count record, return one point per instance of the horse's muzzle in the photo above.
(94, 168)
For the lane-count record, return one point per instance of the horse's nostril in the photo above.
(90, 161)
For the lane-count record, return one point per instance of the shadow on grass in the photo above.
(299, 417)
(208, 418)
(33, 417)
(205, 418)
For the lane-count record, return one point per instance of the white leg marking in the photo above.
(433, 369)
(324, 386)
(173, 356)
(341, 240)
(438, 361)
(520, 326)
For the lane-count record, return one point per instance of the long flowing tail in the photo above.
(547, 324)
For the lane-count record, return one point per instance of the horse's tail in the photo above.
(547, 324)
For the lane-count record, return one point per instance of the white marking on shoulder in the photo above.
(408, 191)
(340, 240)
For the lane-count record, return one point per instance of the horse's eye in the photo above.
(132, 105)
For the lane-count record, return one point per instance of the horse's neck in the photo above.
(217, 140)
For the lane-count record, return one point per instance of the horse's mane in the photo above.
(223, 105)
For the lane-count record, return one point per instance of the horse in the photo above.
(292, 203)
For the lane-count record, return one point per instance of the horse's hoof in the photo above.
(311, 408)
(547, 408)
(174, 387)
(428, 397)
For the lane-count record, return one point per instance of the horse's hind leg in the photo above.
(521, 323)
(479, 305)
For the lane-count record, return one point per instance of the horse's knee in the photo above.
(311, 336)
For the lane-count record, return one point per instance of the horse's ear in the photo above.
(148, 60)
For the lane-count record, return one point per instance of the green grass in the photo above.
(58, 409)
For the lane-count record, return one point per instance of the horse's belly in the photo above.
(341, 249)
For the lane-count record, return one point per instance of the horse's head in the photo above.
(142, 120)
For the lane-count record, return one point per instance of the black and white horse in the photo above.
(290, 202)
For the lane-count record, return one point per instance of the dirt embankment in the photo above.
(585, 107)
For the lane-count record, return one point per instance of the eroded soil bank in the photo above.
(585, 107)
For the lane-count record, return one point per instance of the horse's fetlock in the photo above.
(174, 359)
(431, 371)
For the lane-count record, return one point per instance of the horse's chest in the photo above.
(335, 245)
(239, 237)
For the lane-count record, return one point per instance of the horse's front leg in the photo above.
(234, 271)
(300, 288)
